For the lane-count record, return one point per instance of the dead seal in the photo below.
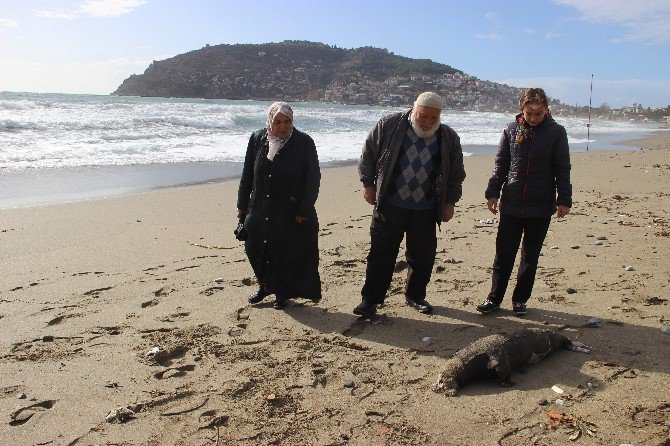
(495, 356)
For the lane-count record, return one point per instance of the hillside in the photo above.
(307, 71)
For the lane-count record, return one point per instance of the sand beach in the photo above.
(124, 321)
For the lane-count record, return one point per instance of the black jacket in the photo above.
(380, 155)
(284, 254)
(533, 172)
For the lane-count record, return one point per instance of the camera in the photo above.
(241, 233)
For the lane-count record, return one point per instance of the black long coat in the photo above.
(284, 254)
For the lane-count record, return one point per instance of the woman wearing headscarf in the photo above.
(277, 193)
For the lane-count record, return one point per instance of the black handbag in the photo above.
(241, 233)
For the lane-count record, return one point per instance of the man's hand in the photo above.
(448, 212)
(299, 219)
(240, 214)
(369, 193)
(562, 211)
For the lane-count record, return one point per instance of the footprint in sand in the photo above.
(174, 316)
(166, 357)
(149, 303)
(159, 293)
(24, 414)
(361, 324)
(237, 330)
(58, 319)
(242, 317)
(9, 390)
(211, 290)
(46, 349)
(173, 372)
(211, 419)
(243, 314)
(163, 291)
(96, 292)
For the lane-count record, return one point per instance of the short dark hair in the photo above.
(533, 96)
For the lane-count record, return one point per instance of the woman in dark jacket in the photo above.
(277, 193)
(532, 166)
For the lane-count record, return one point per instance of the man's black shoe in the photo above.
(366, 309)
(280, 303)
(420, 305)
(258, 296)
(487, 307)
(519, 309)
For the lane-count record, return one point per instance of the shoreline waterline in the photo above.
(46, 186)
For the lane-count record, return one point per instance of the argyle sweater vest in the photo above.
(412, 185)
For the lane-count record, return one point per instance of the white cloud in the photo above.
(553, 35)
(110, 8)
(95, 8)
(616, 93)
(528, 30)
(8, 23)
(492, 16)
(647, 21)
(490, 36)
(62, 15)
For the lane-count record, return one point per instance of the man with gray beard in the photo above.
(412, 171)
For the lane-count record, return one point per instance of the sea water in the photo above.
(60, 147)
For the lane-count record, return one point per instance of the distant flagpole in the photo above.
(588, 126)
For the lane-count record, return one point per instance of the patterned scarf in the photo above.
(276, 143)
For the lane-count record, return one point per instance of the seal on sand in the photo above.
(497, 355)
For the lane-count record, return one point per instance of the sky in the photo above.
(91, 46)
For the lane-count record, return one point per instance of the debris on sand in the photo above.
(120, 414)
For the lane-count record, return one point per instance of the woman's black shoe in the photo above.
(488, 306)
(280, 302)
(258, 296)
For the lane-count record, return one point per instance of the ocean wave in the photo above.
(201, 122)
(17, 105)
(80, 130)
(128, 137)
(580, 140)
(10, 125)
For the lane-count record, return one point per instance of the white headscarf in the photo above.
(276, 143)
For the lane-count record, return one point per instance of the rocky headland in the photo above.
(308, 71)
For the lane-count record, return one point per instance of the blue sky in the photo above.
(91, 46)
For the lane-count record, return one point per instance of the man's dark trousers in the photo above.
(510, 230)
(389, 224)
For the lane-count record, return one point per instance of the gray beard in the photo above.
(419, 131)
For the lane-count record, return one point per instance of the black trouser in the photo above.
(510, 230)
(389, 224)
